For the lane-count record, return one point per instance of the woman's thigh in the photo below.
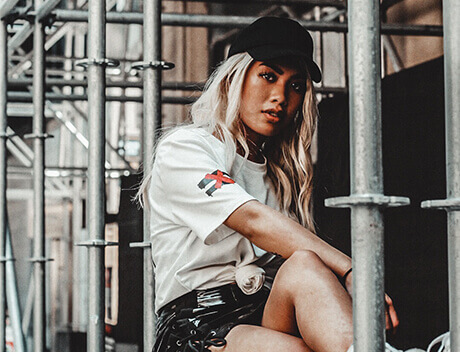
(308, 300)
(249, 338)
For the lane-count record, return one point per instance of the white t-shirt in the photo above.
(190, 196)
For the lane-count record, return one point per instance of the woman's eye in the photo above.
(270, 77)
(298, 87)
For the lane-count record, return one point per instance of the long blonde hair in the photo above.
(290, 165)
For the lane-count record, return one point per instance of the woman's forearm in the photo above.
(277, 233)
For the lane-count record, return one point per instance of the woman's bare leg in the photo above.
(307, 295)
(249, 338)
(306, 299)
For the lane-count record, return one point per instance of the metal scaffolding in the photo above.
(3, 186)
(215, 21)
(451, 13)
(96, 64)
(39, 135)
(366, 198)
(151, 123)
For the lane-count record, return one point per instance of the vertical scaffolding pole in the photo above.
(451, 13)
(151, 122)
(153, 67)
(3, 212)
(96, 173)
(38, 135)
(14, 310)
(366, 177)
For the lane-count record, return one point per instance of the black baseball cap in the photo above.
(273, 37)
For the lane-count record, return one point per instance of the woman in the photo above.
(230, 202)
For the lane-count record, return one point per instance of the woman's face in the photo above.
(273, 93)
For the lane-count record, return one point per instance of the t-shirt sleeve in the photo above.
(200, 192)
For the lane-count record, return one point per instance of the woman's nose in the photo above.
(278, 94)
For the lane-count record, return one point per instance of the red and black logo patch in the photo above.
(220, 178)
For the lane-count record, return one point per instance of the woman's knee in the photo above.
(245, 338)
(305, 267)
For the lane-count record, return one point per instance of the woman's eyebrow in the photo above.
(274, 67)
(278, 70)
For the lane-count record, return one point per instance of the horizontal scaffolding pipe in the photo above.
(56, 171)
(338, 4)
(55, 82)
(61, 59)
(24, 97)
(215, 21)
(185, 86)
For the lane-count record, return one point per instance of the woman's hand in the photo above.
(391, 317)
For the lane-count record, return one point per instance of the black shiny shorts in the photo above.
(202, 318)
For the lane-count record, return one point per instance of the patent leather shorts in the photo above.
(202, 318)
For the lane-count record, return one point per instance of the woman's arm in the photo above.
(277, 233)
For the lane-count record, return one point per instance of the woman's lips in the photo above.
(271, 118)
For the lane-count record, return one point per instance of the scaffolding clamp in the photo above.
(157, 65)
(97, 62)
(144, 245)
(38, 136)
(19, 14)
(40, 259)
(7, 259)
(449, 204)
(96, 243)
(6, 135)
(368, 199)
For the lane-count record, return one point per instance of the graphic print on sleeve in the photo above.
(220, 178)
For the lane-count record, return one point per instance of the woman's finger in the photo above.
(391, 317)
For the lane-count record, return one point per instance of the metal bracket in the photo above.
(97, 62)
(449, 204)
(19, 14)
(157, 65)
(366, 200)
(38, 136)
(5, 259)
(140, 244)
(40, 259)
(96, 243)
(6, 135)
(49, 20)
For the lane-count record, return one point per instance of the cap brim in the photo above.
(273, 52)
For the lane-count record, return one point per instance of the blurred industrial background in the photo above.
(195, 36)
